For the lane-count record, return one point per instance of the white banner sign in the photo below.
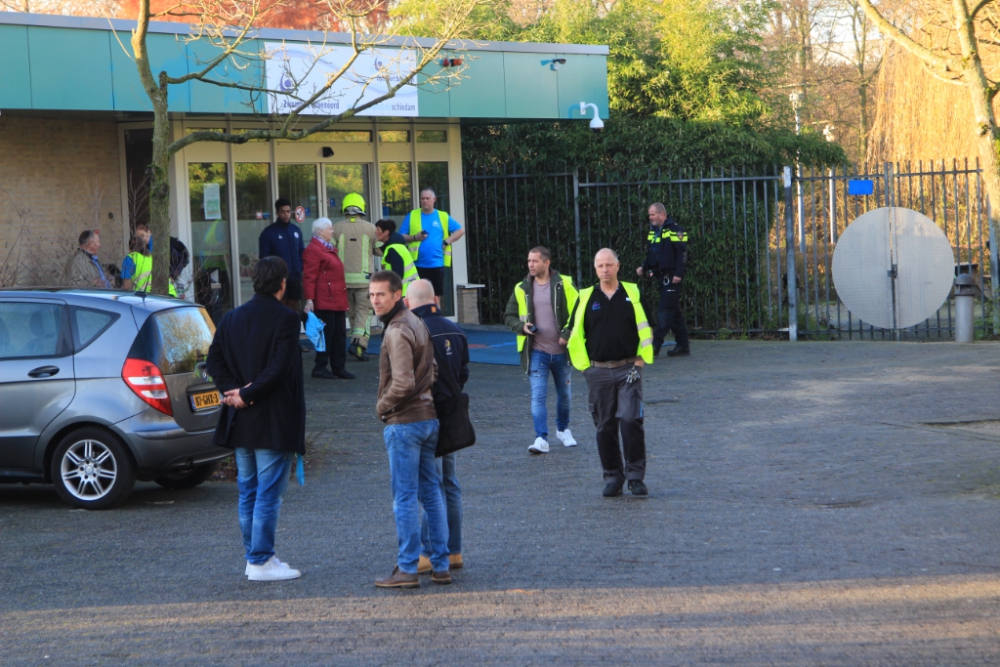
(302, 69)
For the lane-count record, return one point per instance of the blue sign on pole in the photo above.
(860, 187)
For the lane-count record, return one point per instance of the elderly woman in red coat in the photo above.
(325, 291)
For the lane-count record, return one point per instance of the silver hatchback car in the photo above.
(101, 388)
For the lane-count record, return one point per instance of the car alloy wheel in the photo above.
(88, 470)
(92, 469)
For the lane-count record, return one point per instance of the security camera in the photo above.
(596, 124)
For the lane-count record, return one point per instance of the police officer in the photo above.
(355, 242)
(610, 343)
(666, 260)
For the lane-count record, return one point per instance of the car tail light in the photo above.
(146, 380)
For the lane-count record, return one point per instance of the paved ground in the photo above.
(811, 504)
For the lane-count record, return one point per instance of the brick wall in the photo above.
(63, 176)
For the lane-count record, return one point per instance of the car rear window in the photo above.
(175, 340)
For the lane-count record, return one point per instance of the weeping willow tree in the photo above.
(936, 93)
(919, 115)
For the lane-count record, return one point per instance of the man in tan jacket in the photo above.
(406, 406)
(355, 241)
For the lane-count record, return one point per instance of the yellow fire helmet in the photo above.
(354, 204)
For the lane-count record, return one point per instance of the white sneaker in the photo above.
(541, 446)
(272, 570)
(274, 558)
(566, 437)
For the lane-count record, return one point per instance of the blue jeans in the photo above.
(453, 500)
(415, 475)
(262, 477)
(538, 374)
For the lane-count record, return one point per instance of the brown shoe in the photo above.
(455, 560)
(400, 580)
(443, 577)
(424, 565)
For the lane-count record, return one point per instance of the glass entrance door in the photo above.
(298, 184)
(343, 179)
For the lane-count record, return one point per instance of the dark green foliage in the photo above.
(727, 284)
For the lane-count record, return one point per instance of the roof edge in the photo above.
(162, 27)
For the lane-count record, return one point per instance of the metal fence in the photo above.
(745, 230)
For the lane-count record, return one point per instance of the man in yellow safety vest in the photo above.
(539, 313)
(430, 234)
(137, 267)
(355, 242)
(395, 256)
(610, 343)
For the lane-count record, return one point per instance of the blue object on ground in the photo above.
(485, 347)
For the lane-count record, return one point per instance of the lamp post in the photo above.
(796, 101)
(828, 135)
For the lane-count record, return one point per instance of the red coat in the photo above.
(323, 277)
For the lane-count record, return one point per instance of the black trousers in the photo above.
(617, 406)
(335, 338)
(669, 316)
(436, 276)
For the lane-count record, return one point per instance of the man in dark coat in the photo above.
(451, 351)
(255, 361)
(283, 238)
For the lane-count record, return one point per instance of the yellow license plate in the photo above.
(205, 400)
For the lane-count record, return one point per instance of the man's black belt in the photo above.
(614, 364)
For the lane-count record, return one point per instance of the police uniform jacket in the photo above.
(666, 249)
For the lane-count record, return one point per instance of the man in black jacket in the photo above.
(666, 260)
(255, 361)
(451, 350)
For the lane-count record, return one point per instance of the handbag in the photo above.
(456, 431)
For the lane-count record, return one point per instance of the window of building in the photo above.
(394, 136)
(397, 199)
(343, 179)
(432, 136)
(336, 137)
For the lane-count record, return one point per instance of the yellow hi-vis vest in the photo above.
(578, 339)
(142, 277)
(561, 322)
(409, 269)
(416, 226)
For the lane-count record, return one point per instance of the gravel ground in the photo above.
(810, 504)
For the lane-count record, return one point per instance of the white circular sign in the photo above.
(863, 265)
(300, 214)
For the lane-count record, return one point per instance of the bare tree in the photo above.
(953, 56)
(230, 27)
(855, 49)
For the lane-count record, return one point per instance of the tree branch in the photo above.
(932, 59)
(979, 7)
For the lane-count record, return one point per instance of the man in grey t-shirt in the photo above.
(539, 313)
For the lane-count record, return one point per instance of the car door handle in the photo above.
(43, 372)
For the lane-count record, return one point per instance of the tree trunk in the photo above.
(159, 193)
(863, 122)
(987, 133)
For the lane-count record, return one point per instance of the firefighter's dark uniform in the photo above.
(666, 257)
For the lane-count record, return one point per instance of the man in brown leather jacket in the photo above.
(406, 406)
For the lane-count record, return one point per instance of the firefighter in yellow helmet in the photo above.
(355, 242)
